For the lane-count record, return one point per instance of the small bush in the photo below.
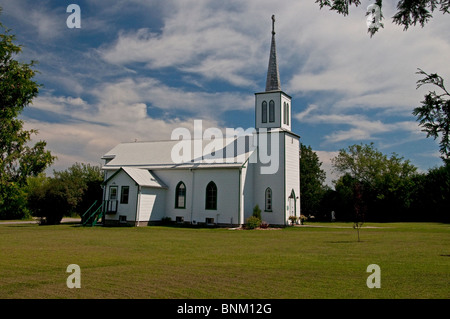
(253, 222)
(264, 225)
(257, 212)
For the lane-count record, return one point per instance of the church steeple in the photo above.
(273, 76)
(273, 106)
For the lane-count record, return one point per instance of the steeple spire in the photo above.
(273, 76)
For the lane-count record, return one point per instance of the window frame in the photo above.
(122, 199)
(268, 206)
(264, 112)
(271, 111)
(177, 196)
(287, 113)
(116, 188)
(211, 204)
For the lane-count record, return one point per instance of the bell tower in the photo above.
(273, 106)
(277, 189)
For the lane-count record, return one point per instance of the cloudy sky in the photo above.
(138, 69)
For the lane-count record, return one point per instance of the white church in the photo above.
(211, 181)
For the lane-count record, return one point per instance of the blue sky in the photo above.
(136, 70)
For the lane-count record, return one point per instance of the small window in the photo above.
(264, 112)
(122, 219)
(271, 111)
(113, 193)
(287, 113)
(268, 199)
(179, 219)
(211, 196)
(284, 113)
(209, 221)
(180, 195)
(124, 194)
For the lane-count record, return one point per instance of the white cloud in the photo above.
(119, 114)
(37, 18)
(351, 83)
(325, 157)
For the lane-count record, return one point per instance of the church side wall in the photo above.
(227, 182)
(275, 181)
(129, 209)
(196, 180)
(171, 178)
(292, 159)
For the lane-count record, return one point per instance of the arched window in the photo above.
(211, 196)
(264, 112)
(268, 200)
(180, 195)
(271, 111)
(287, 113)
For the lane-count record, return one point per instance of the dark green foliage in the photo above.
(257, 212)
(312, 178)
(409, 12)
(253, 222)
(431, 199)
(434, 114)
(69, 192)
(18, 159)
(374, 186)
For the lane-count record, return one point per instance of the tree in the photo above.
(434, 114)
(409, 12)
(312, 179)
(432, 195)
(69, 192)
(386, 183)
(18, 160)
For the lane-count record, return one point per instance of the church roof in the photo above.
(142, 177)
(158, 154)
(273, 76)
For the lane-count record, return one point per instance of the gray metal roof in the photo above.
(144, 177)
(158, 154)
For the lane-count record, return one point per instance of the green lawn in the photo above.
(169, 262)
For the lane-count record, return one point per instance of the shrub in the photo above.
(253, 222)
(257, 212)
(264, 225)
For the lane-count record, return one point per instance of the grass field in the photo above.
(170, 262)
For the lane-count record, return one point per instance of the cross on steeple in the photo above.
(273, 24)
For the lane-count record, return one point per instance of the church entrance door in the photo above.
(291, 204)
